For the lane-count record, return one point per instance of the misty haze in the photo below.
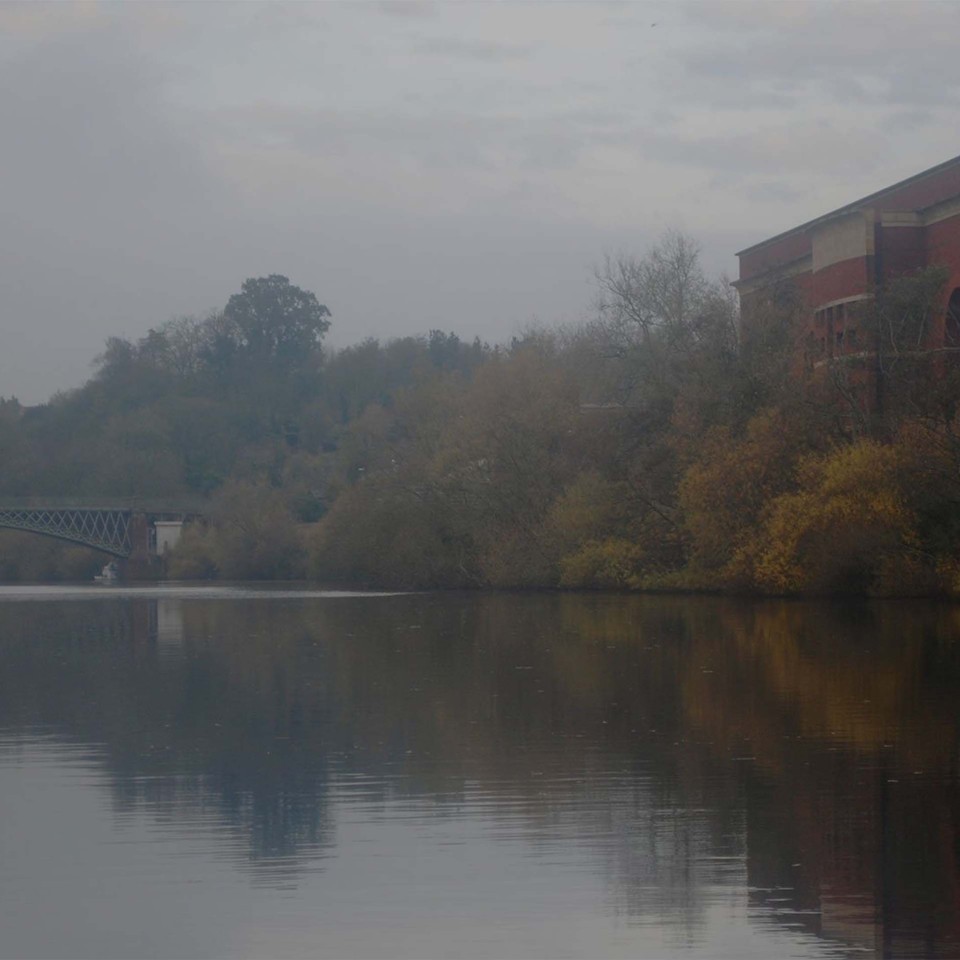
(479, 480)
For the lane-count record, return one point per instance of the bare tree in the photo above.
(660, 293)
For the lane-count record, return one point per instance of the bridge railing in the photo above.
(195, 506)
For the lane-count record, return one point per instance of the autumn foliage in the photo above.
(662, 447)
(667, 443)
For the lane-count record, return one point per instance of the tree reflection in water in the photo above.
(807, 752)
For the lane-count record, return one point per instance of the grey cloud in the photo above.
(451, 140)
(912, 119)
(802, 150)
(85, 131)
(102, 197)
(779, 191)
(406, 9)
(156, 155)
(483, 51)
(845, 49)
(727, 89)
(116, 216)
(436, 139)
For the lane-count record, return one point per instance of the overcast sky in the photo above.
(457, 166)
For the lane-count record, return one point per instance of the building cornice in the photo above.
(857, 204)
(781, 271)
(941, 211)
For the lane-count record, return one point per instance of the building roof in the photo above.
(857, 204)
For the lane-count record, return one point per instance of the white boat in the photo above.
(109, 574)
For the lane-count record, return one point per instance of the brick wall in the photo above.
(924, 190)
(943, 247)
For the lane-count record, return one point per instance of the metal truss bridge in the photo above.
(117, 527)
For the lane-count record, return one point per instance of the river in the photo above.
(246, 772)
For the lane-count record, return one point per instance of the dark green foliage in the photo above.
(26, 558)
(241, 406)
(270, 319)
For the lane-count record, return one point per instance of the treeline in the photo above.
(664, 444)
(243, 407)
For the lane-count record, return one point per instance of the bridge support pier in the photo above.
(143, 562)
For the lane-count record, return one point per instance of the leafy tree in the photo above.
(273, 319)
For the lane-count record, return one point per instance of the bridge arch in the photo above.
(104, 529)
(124, 528)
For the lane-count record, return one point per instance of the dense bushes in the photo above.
(25, 558)
(251, 535)
(846, 528)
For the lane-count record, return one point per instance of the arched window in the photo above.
(951, 334)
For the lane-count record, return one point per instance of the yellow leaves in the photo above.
(724, 489)
(590, 508)
(864, 468)
(778, 566)
(846, 529)
(867, 517)
(612, 562)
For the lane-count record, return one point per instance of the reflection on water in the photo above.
(289, 774)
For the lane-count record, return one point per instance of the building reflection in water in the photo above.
(169, 629)
(802, 755)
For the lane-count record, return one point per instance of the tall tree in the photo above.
(273, 319)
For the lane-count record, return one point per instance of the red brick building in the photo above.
(837, 261)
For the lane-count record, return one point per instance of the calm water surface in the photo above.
(228, 772)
